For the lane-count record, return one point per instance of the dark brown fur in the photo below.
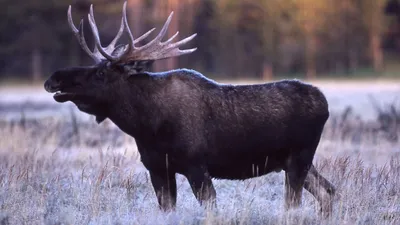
(186, 123)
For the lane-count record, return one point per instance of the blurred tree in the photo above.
(161, 10)
(392, 36)
(226, 55)
(247, 38)
(137, 15)
(250, 24)
(374, 19)
(343, 46)
(279, 34)
(36, 31)
(241, 38)
(310, 16)
(26, 36)
(207, 32)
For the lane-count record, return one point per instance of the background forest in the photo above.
(236, 38)
(58, 166)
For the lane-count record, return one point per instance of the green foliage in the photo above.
(236, 38)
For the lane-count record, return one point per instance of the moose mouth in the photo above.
(60, 96)
(63, 95)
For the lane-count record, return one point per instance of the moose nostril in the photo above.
(51, 85)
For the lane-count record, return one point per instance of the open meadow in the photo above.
(57, 166)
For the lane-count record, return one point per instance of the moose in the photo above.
(186, 123)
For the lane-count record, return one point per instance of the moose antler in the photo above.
(154, 50)
(95, 55)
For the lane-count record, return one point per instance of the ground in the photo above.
(57, 166)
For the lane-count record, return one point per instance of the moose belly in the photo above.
(245, 156)
(244, 168)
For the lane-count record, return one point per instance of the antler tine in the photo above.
(176, 52)
(137, 40)
(131, 46)
(123, 26)
(156, 49)
(161, 34)
(97, 37)
(111, 46)
(181, 42)
(172, 50)
(172, 38)
(95, 48)
(80, 36)
(187, 51)
(128, 30)
(164, 28)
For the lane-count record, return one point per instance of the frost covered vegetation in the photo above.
(67, 171)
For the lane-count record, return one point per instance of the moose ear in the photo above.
(137, 67)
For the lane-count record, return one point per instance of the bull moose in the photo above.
(185, 123)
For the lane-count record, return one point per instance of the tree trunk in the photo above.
(136, 8)
(353, 61)
(161, 12)
(376, 52)
(268, 71)
(36, 65)
(311, 49)
(172, 63)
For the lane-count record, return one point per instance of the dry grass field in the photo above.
(58, 166)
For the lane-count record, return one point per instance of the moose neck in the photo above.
(134, 105)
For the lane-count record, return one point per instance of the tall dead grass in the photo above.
(47, 179)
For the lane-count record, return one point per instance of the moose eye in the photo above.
(100, 74)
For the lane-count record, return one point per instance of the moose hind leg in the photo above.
(165, 188)
(297, 166)
(294, 181)
(321, 189)
(202, 186)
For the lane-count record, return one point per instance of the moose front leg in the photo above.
(164, 185)
(202, 186)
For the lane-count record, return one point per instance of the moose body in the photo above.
(186, 123)
(233, 132)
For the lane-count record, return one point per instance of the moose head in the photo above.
(92, 88)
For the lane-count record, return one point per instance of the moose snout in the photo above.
(52, 85)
